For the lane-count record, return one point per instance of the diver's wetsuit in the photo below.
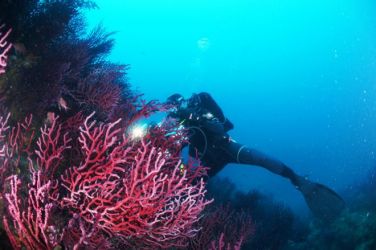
(211, 143)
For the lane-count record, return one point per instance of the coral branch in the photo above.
(29, 222)
(82, 235)
(16, 143)
(5, 46)
(50, 148)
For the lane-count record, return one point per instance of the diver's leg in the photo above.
(244, 155)
(323, 201)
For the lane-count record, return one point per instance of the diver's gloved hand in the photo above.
(183, 114)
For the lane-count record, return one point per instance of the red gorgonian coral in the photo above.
(131, 190)
(28, 220)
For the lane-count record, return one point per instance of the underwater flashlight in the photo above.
(138, 131)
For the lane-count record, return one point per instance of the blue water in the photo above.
(296, 77)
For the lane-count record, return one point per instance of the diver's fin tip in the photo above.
(324, 203)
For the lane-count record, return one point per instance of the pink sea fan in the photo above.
(133, 189)
(118, 189)
(29, 222)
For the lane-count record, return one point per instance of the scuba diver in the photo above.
(209, 141)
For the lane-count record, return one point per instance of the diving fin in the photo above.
(324, 203)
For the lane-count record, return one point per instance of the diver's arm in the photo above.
(190, 117)
(183, 114)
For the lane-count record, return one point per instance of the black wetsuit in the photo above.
(210, 141)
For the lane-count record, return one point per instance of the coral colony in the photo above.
(133, 191)
(95, 180)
